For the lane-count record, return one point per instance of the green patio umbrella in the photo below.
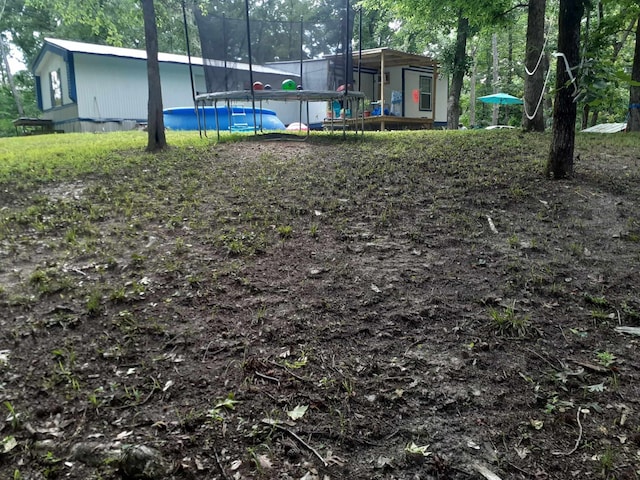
(501, 99)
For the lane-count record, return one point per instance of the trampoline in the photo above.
(302, 96)
(342, 76)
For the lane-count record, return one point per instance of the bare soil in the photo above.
(417, 306)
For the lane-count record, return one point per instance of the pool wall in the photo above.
(236, 118)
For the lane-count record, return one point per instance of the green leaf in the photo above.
(228, 402)
(298, 412)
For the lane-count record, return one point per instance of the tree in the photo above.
(155, 126)
(12, 85)
(533, 118)
(464, 17)
(560, 161)
(633, 124)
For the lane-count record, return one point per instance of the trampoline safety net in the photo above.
(228, 40)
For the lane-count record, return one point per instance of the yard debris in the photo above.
(629, 330)
(485, 472)
(492, 225)
(142, 462)
(297, 412)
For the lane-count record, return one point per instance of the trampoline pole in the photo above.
(193, 87)
(346, 50)
(253, 95)
(360, 53)
(301, 80)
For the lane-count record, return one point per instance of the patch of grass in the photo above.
(94, 303)
(507, 322)
(598, 300)
(606, 359)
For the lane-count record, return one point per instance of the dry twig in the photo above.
(577, 441)
(302, 442)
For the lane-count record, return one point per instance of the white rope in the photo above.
(568, 68)
(571, 77)
(544, 88)
(535, 69)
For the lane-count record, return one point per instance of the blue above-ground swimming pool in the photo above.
(184, 118)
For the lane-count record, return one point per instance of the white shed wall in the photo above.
(110, 87)
(442, 97)
(49, 64)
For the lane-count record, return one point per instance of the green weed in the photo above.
(507, 322)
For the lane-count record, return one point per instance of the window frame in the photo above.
(55, 88)
(425, 94)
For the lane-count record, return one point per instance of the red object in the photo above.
(258, 86)
(416, 96)
(342, 88)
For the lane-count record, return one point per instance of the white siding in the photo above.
(117, 88)
(412, 83)
(111, 88)
(442, 94)
(49, 64)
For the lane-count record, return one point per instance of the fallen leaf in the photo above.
(418, 449)
(298, 412)
(537, 424)
(264, 462)
(628, 330)
(375, 288)
(522, 452)
(472, 444)
(8, 444)
(167, 385)
(598, 387)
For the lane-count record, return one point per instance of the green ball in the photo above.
(289, 84)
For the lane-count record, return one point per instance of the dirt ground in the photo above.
(421, 306)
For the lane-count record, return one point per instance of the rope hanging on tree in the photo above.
(546, 80)
(535, 69)
(544, 87)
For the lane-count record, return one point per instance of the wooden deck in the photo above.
(378, 122)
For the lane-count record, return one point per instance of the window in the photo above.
(55, 81)
(426, 85)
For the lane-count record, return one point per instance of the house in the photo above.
(404, 85)
(405, 89)
(84, 87)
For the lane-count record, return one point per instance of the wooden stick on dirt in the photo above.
(305, 444)
(577, 441)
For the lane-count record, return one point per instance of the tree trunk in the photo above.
(534, 83)
(459, 67)
(633, 124)
(12, 84)
(585, 116)
(560, 162)
(155, 126)
(496, 77)
(472, 88)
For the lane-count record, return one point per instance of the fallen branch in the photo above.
(577, 441)
(302, 379)
(267, 377)
(485, 472)
(224, 474)
(302, 442)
